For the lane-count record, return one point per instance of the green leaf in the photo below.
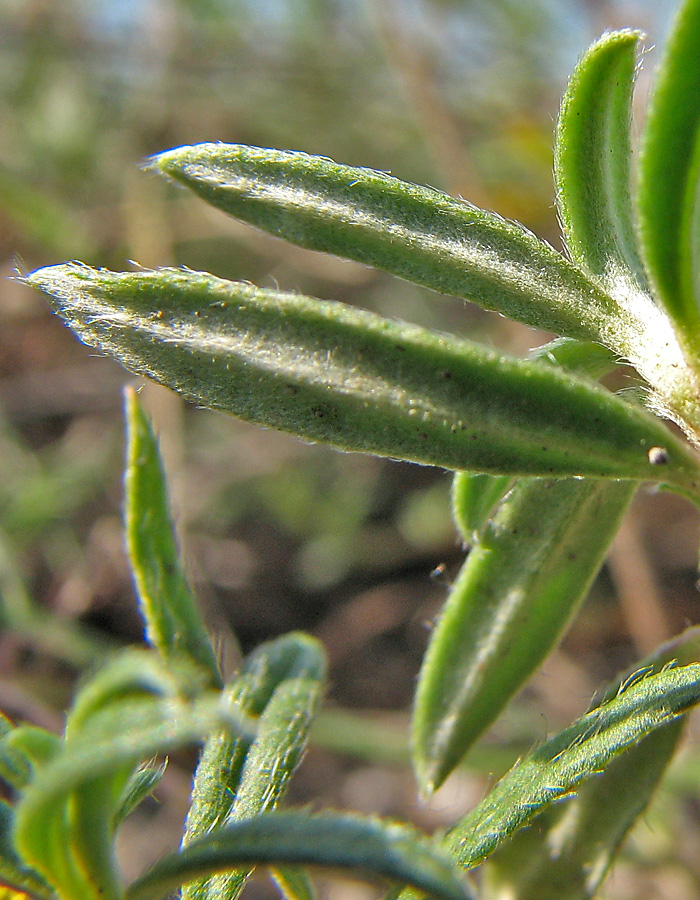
(565, 762)
(417, 233)
(592, 156)
(95, 803)
(367, 848)
(286, 660)
(346, 377)
(568, 848)
(293, 883)
(474, 496)
(118, 737)
(669, 172)
(516, 592)
(270, 761)
(24, 753)
(141, 785)
(23, 750)
(173, 622)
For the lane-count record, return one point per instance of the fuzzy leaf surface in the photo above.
(567, 849)
(141, 785)
(270, 761)
(173, 622)
(417, 233)
(669, 174)
(330, 373)
(592, 155)
(286, 660)
(367, 848)
(565, 762)
(516, 592)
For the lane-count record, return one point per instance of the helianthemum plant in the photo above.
(546, 461)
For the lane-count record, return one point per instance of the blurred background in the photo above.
(458, 94)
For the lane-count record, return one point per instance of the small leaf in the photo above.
(141, 785)
(592, 154)
(23, 750)
(367, 848)
(508, 607)
(567, 761)
(346, 377)
(173, 622)
(416, 233)
(669, 173)
(474, 495)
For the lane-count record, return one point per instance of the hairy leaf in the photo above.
(669, 173)
(352, 379)
(516, 592)
(565, 762)
(173, 622)
(418, 233)
(236, 780)
(567, 849)
(141, 785)
(592, 155)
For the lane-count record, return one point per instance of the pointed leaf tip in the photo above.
(331, 373)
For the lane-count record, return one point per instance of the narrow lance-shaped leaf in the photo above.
(173, 622)
(343, 376)
(669, 173)
(592, 155)
(566, 761)
(508, 607)
(429, 238)
(417, 233)
(282, 737)
(568, 848)
(367, 848)
(270, 761)
(141, 785)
